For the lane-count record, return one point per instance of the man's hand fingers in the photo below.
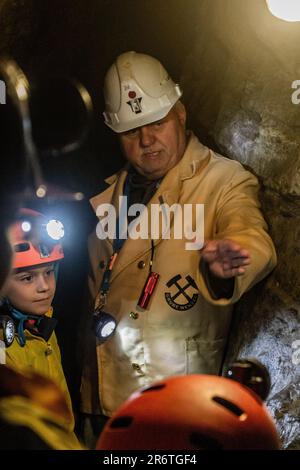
(225, 258)
(224, 249)
(209, 248)
(235, 253)
(236, 262)
(210, 257)
(233, 272)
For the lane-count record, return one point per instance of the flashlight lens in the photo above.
(103, 325)
(55, 229)
(107, 329)
(26, 226)
(10, 331)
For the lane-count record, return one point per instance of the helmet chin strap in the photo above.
(21, 318)
(56, 269)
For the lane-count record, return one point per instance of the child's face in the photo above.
(32, 289)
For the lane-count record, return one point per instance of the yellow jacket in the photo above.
(42, 357)
(184, 330)
(22, 412)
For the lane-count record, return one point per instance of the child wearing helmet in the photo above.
(27, 324)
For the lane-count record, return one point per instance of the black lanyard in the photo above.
(117, 245)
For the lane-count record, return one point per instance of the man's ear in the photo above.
(181, 112)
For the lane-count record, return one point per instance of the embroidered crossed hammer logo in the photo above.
(181, 291)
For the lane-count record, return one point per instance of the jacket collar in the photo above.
(195, 158)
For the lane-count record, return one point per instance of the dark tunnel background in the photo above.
(236, 64)
(71, 38)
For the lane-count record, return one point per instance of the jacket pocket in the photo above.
(204, 356)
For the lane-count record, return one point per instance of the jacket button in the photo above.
(48, 350)
(102, 264)
(134, 315)
(137, 368)
(141, 264)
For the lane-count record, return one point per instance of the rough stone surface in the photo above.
(238, 79)
(267, 328)
(236, 64)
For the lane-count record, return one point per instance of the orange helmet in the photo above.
(31, 242)
(191, 412)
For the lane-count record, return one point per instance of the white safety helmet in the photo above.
(137, 91)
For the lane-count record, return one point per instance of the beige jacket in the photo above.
(184, 330)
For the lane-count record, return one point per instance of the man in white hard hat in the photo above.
(170, 307)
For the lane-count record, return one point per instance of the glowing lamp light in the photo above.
(41, 191)
(108, 329)
(55, 229)
(288, 10)
(104, 325)
(26, 226)
(79, 196)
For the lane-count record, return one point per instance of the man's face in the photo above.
(157, 147)
(32, 289)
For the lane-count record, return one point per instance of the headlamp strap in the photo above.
(107, 274)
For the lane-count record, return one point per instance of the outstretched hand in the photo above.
(225, 258)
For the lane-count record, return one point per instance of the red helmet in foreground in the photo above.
(191, 412)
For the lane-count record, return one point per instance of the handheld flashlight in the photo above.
(104, 325)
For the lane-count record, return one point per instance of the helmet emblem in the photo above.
(135, 105)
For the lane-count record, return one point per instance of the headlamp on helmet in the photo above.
(36, 239)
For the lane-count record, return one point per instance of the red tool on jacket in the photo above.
(148, 290)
